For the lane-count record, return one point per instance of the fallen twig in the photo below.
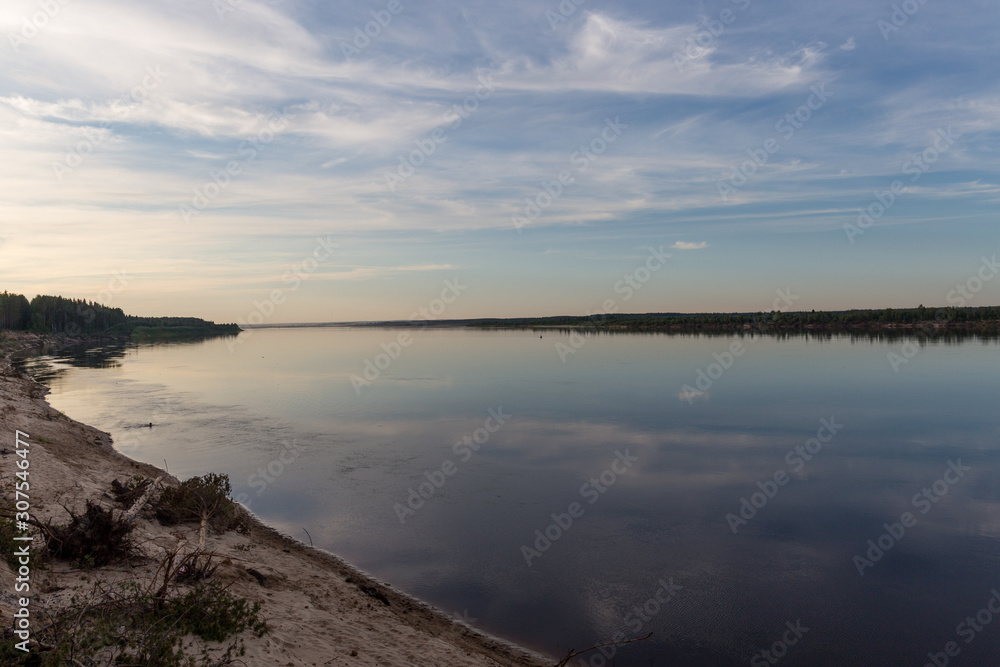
(572, 654)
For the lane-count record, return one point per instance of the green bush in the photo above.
(213, 613)
(205, 496)
(128, 626)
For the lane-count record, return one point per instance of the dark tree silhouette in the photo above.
(76, 317)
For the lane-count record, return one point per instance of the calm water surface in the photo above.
(277, 411)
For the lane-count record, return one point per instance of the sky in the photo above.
(302, 161)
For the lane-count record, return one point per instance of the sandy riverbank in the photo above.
(319, 609)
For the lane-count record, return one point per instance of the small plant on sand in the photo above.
(162, 622)
(214, 614)
(126, 626)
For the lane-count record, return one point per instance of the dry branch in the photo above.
(572, 654)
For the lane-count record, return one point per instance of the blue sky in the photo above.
(199, 149)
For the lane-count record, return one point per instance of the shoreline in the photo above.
(321, 609)
(978, 321)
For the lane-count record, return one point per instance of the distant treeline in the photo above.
(78, 317)
(985, 318)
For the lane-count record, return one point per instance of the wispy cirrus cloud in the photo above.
(616, 56)
(367, 272)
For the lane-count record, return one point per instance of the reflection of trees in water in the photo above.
(39, 369)
(104, 356)
(920, 334)
(44, 370)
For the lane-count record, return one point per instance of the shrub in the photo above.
(206, 497)
(128, 626)
(213, 613)
(92, 539)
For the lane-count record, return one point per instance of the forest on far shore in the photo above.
(983, 319)
(78, 317)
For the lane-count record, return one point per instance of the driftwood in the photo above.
(572, 654)
(128, 516)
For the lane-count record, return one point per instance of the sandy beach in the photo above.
(319, 609)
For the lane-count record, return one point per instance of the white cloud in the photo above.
(628, 57)
(685, 245)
